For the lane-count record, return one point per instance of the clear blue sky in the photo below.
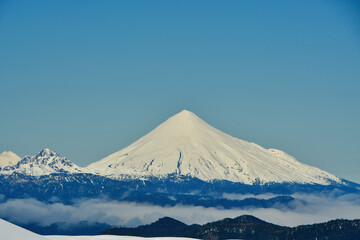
(87, 78)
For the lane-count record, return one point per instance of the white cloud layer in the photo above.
(306, 209)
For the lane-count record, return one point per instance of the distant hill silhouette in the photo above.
(161, 228)
(245, 227)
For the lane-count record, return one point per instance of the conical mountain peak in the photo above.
(9, 154)
(184, 124)
(8, 158)
(186, 145)
(184, 118)
(185, 115)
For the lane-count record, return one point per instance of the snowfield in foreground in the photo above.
(9, 231)
(108, 237)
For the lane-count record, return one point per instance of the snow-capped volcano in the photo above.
(44, 163)
(8, 158)
(186, 145)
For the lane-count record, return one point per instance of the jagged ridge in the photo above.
(44, 163)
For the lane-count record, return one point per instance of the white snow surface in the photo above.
(8, 158)
(9, 231)
(186, 145)
(44, 163)
(109, 237)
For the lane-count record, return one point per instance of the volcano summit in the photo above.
(186, 145)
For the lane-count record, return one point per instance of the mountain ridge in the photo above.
(245, 227)
(43, 163)
(185, 146)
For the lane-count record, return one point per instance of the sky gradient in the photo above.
(87, 78)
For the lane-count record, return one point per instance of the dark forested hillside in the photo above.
(245, 227)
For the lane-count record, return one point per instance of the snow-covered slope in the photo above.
(112, 237)
(9, 231)
(8, 158)
(186, 145)
(43, 163)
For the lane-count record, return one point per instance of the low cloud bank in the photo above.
(236, 196)
(306, 209)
